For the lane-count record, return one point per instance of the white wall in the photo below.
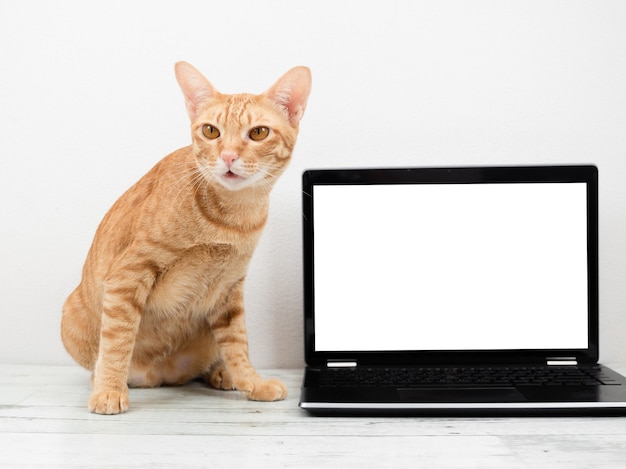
(88, 103)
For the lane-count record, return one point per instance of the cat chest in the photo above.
(200, 278)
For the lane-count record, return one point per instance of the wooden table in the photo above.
(44, 422)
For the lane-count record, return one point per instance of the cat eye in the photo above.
(210, 132)
(259, 133)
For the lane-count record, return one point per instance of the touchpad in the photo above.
(460, 395)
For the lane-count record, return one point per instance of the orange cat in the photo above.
(161, 296)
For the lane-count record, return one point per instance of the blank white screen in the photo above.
(450, 267)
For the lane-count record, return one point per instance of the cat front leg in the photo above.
(123, 300)
(110, 376)
(229, 330)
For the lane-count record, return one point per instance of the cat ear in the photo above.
(291, 92)
(196, 89)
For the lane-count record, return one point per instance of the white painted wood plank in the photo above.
(585, 450)
(71, 450)
(236, 421)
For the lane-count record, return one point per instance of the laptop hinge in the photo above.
(341, 364)
(562, 361)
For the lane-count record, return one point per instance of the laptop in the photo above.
(453, 290)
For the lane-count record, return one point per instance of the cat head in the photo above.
(244, 140)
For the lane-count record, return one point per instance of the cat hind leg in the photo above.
(80, 335)
(219, 377)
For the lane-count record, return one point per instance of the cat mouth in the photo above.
(231, 175)
(233, 181)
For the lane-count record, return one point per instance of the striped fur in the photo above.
(161, 296)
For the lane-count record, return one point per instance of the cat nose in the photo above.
(229, 158)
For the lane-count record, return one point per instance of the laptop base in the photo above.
(465, 400)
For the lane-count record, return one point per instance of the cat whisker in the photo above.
(263, 170)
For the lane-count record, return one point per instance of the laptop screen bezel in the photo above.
(587, 174)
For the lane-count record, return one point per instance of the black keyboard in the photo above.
(479, 376)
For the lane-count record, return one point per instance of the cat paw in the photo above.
(270, 390)
(219, 378)
(109, 402)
